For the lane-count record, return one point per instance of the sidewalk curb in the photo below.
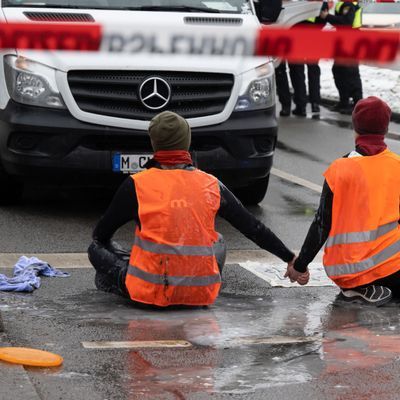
(329, 102)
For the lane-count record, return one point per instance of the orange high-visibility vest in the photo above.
(172, 259)
(364, 240)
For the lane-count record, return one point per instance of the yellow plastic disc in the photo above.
(31, 357)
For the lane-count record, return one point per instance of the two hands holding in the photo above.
(301, 278)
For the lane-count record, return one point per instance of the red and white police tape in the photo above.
(296, 44)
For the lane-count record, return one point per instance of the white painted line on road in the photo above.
(297, 180)
(243, 341)
(136, 344)
(57, 260)
(80, 260)
(259, 262)
(272, 272)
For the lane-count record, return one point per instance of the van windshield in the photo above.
(208, 6)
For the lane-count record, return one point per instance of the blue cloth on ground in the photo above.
(26, 275)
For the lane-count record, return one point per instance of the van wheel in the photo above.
(11, 189)
(253, 193)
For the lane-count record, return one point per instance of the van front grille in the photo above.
(118, 93)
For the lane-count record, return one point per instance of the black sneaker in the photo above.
(300, 112)
(372, 294)
(346, 110)
(285, 111)
(315, 108)
(340, 106)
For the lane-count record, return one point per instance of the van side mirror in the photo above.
(268, 10)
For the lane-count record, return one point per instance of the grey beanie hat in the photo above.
(169, 131)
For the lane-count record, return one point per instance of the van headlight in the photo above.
(258, 89)
(32, 83)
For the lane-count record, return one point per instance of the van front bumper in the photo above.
(38, 142)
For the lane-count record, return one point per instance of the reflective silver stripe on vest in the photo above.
(359, 237)
(348, 269)
(174, 280)
(170, 249)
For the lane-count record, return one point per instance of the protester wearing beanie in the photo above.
(371, 117)
(358, 217)
(177, 255)
(169, 131)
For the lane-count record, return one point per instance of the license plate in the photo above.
(129, 163)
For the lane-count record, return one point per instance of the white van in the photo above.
(85, 115)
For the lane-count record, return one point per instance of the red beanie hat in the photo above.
(371, 116)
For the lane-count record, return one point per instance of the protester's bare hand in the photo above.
(304, 278)
(289, 271)
(323, 14)
(301, 278)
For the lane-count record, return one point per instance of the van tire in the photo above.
(11, 189)
(253, 193)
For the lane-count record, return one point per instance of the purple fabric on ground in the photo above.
(26, 275)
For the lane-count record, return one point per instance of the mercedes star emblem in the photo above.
(155, 93)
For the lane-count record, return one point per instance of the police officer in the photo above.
(347, 77)
(297, 78)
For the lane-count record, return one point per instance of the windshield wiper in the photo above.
(174, 8)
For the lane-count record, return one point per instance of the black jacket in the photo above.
(345, 16)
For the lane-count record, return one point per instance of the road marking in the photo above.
(243, 341)
(57, 260)
(297, 180)
(273, 273)
(80, 260)
(137, 344)
(237, 342)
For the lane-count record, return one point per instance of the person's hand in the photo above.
(289, 274)
(301, 278)
(304, 278)
(323, 14)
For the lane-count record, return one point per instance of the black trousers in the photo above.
(111, 264)
(314, 86)
(298, 79)
(348, 83)
(282, 85)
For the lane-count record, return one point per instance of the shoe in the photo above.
(102, 282)
(315, 108)
(340, 106)
(372, 294)
(285, 111)
(300, 112)
(346, 110)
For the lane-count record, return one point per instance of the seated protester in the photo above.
(177, 256)
(359, 215)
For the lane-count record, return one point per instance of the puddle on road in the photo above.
(238, 346)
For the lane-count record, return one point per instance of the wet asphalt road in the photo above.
(278, 344)
(236, 349)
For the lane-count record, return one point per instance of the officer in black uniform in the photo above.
(297, 78)
(347, 77)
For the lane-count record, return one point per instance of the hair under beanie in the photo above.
(371, 116)
(169, 131)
